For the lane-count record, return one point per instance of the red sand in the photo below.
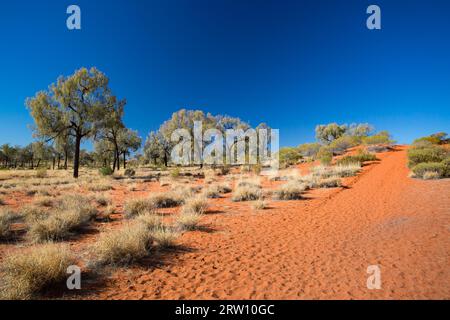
(316, 248)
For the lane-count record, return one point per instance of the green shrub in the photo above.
(340, 145)
(325, 156)
(446, 163)
(358, 158)
(423, 168)
(106, 171)
(428, 154)
(309, 149)
(288, 157)
(382, 137)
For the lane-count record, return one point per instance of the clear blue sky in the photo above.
(292, 64)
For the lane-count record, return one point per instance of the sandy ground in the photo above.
(315, 248)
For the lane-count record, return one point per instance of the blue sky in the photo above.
(291, 64)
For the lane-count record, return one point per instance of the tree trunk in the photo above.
(76, 159)
(38, 163)
(59, 162)
(54, 161)
(118, 160)
(124, 161)
(66, 155)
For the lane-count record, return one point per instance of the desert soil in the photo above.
(316, 248)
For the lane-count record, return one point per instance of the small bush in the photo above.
(348, 170)
(27, 273)
(137, 207)
(123, 246)
(380, 139)
(129, 172)
(291, 190)
(246, 193)
(427, 154)
(196, 205)
(358, 158)
(164, 237)
(259, 205)
(341, 144)
(216, 190)
(288, 157)
(424, 168)
(325, 156)
(309, 150)
(150, 220)
(188, 220)
(166, 200)
(331, 182)
(106, 171)
(70, 214)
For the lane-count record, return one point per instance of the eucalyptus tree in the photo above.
(74, 105)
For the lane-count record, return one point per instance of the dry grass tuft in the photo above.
(166, 200)
(259, 205)
(195, 205)
(123, 246)
(431, 175)
(188, 220)
(27, 273)
(72, 212)
(137, 207)
(291, 190)
(164, 236)
(7, 218)
(246, 192)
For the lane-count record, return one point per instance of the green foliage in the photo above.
(309, 149)
(436, 138)
(341, 144)
(327, 133)
(382, 137)
(288, 156)
(325, 156)
(422, 169)
(106, 171)
(426, 154)
(358, 158)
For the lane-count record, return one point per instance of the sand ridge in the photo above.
(315, 248)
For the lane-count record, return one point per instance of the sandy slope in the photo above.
(317, 248)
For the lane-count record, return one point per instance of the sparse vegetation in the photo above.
(26, 273)
(123, 246)
(428, 159)
(7, 218)
(292, 190)
(246, 192)
(259, 204)
(137, 207)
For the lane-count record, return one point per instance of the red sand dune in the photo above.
(316, 248)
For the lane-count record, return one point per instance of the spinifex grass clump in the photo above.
(123, 246)
(26, 273)
(69, 214)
